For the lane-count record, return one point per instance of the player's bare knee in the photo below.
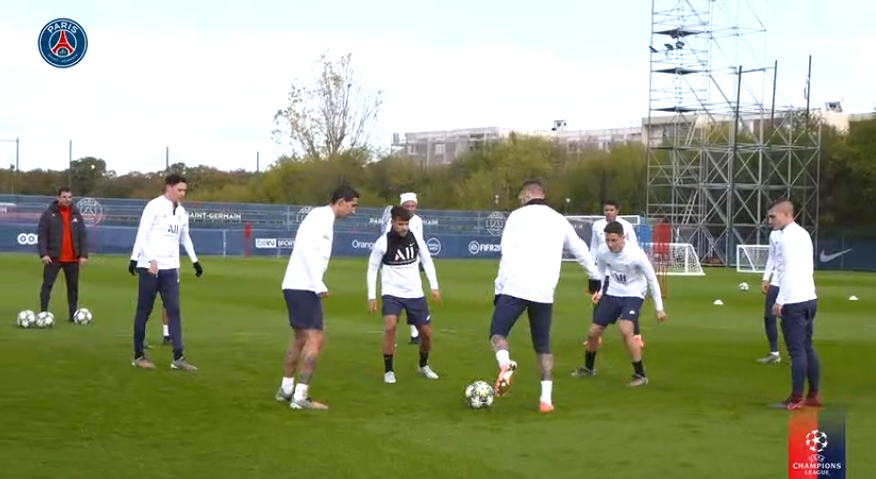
(595, 331)
(626, 328)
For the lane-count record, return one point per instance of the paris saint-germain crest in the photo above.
(63, 43)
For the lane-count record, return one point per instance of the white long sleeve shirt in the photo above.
(310, 255)
(630, 273)
(402, 281)
(769, 272)
(161, 231)
(795, 266)
(184, 238)
(532, 253)
(597, 236)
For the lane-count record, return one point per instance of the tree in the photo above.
(329, 114)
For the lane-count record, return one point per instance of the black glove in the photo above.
(198, 269)
(132, 267)
(495, 300)
(594, 286)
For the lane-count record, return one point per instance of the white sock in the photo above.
(547, 388)
(414, 332)
(288, 386)
(300, 391)
(503, 357)
(166, 330)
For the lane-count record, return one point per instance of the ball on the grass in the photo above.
(45, 320)
(82, 316)
(479, 395)
(25, 319)
(743, 286)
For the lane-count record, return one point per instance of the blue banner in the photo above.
(263, 242)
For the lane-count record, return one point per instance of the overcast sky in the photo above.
(206, 79)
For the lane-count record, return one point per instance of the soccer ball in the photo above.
(82, 316)
(743, 286)
(25, 319)
(45, 320)
(479, 395)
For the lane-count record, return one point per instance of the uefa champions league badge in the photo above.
(63, 43)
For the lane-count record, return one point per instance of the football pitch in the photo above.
(73, 407)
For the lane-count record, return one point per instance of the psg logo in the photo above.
(63, 43)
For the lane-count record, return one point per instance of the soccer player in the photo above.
(620, 301)
(532, 251)
(399, 251)
(770, 287)
(611, 209)
(186, 241)
(796, 304)
(408, 201)
(303, 289)
(163, 226)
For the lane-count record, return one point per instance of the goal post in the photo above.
(668, 259)
(752, 258)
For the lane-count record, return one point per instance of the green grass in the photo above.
(72, 406)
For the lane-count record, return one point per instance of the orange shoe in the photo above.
(545, 407)
(639, 340)
(503, 382)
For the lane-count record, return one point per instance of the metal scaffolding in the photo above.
(718, 152)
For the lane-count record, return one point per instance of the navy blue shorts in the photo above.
(612, 308)
(508, 311)
(798, 324)
(417, 309)
(305, 309)
(771, 296)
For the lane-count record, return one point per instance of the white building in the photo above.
(442, 147)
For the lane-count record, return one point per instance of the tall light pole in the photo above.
(13, 167)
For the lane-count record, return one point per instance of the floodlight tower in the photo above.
(717, 151)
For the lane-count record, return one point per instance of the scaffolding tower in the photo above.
(718, 152)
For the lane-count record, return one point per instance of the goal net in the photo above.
(752, 258)
(669, 259)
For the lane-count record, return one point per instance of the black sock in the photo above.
(177, 355)
(639, 368)
(387, 362)
(424, 358)
(589, 360)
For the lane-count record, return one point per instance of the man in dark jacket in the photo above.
(63, 244)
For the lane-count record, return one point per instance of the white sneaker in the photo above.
(427, 372)
(389, 378)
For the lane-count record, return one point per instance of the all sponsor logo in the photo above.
(288, 243)
(362, 244)
(27, 239)
(476, 248)
(91, 211)
(266, 243)
(434, 246)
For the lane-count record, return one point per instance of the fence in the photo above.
(231, 229)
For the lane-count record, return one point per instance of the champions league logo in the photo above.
(816, 465)
(62, 43)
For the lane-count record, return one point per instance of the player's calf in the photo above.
(627, 330)
(425, 335)
(594, 340)
(390, 322)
